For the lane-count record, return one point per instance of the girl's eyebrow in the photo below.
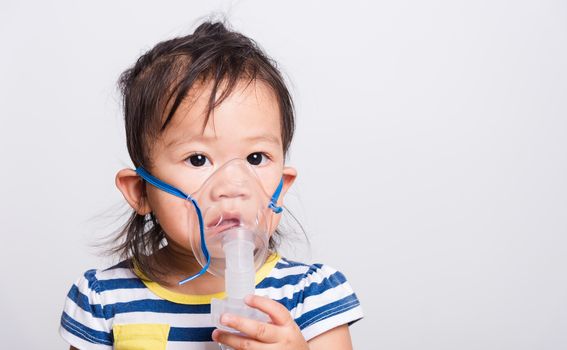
(265, 138)
(180, 140)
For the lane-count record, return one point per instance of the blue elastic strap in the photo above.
(160, 184)
(273, 202)
(203, 243)
(178, 193)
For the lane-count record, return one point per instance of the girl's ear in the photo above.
(131, 186)
(289, 175)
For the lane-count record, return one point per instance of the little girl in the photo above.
(209, 121)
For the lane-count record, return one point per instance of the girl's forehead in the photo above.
(249, 112)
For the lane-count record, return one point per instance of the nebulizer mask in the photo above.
(229, 218)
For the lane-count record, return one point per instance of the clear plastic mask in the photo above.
(229, 216)
(234, 206)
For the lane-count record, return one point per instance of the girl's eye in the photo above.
(197, 160)
(257, 158)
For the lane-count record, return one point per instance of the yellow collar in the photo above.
(180, 298)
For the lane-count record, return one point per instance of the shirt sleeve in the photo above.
(326, 301)
(85, 321)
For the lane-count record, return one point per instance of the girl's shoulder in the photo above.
(318, 296)
(289, 272)
(101, 287)
(91, 304)
(102, 280)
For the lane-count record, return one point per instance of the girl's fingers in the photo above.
(261, 331)
(277, 312)
(235, 341)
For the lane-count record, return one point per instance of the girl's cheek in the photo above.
(270, 177)
(274, 224)
(175, 221)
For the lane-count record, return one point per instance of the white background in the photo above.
(431, 149)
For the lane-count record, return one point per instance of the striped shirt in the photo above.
(114, 308)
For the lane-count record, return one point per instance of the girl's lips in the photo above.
(222, 223)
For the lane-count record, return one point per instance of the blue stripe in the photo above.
(314, 288)
(291, 263)
(143, 305)
(91, 278)
(274, 282)
(81, 331)
(111, 284)
(190, 334)
(327, 311)
(119, 283)
(284, 263)
(159, 306)
(82, 301)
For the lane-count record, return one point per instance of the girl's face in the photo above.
(245, 126)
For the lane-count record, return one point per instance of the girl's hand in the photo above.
(282, 333)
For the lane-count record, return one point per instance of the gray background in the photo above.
(431, 149)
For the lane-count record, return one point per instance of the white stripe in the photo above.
(287, 291)
(83, 286)
(119, 272)
(181, 345)
(80, 343)
(175, 320)
(287, 271)
(127, 295)
(321, 327)
(328, 312)
(316, 301)
(85, 318)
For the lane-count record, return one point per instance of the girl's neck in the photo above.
(180, 264)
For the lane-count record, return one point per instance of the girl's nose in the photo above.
(232, 182)
(229, 190)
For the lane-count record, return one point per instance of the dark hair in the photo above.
(152, 91)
